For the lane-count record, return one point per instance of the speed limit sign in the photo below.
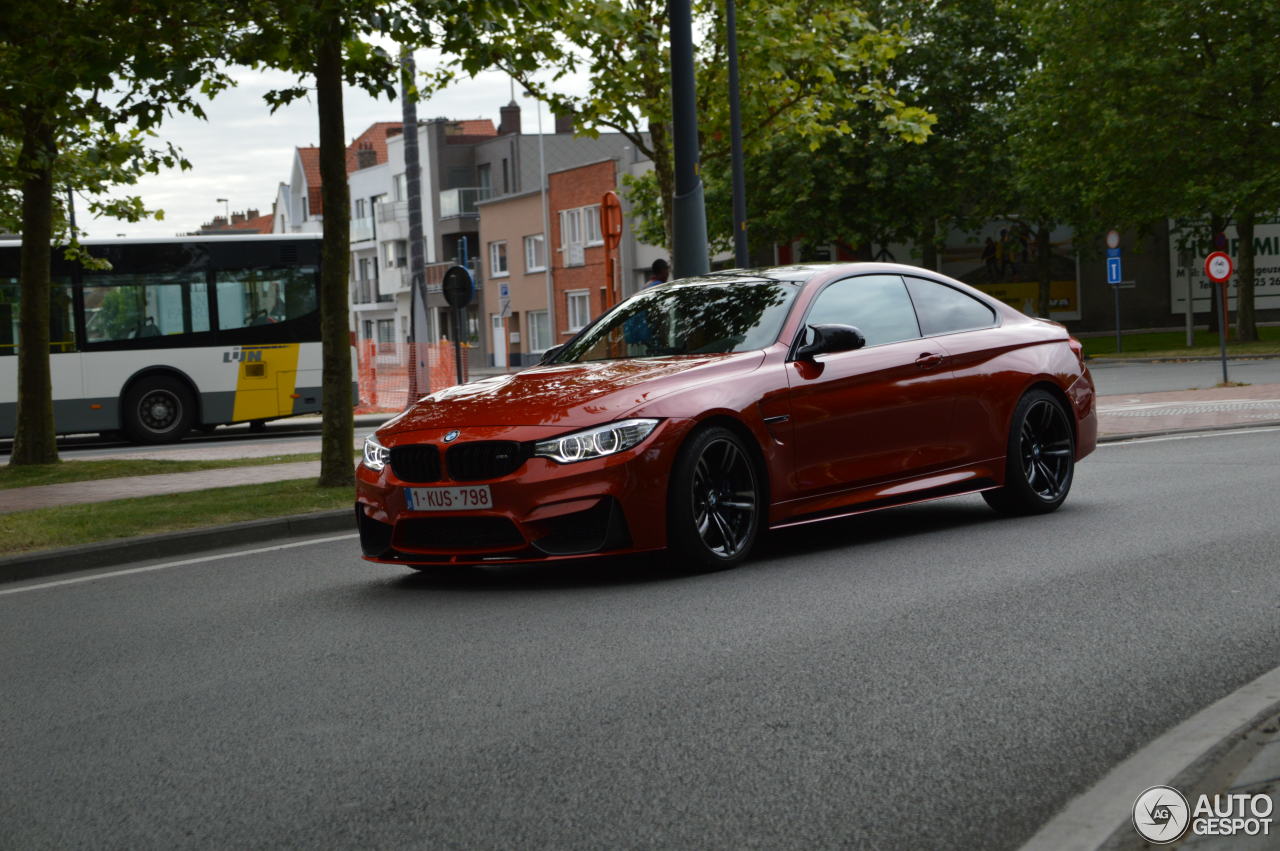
(1217, 267)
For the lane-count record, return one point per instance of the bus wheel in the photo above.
(157, 409)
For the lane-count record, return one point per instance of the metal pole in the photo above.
(1119, 339)
(689, 212)
(546, 234)
(1222, 331)
(458, 317)
(740, 255)
(413, 187)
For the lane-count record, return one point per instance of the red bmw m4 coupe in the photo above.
(696, 414)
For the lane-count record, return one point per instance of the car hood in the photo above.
(571, 395)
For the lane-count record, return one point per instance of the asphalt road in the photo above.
(933, 676)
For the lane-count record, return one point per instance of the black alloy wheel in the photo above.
(157, 409)
(716, 500)
(1040, 463)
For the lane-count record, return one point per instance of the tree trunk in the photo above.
(338, 432)
(1246, 322)
(664, 168)
(1044, 269)
(929, 246)
(33, 439)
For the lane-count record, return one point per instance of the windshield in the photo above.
(687, 319)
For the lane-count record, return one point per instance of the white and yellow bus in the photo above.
(181, 333)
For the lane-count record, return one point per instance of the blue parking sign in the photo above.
(1113, 270)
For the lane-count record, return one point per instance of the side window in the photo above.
(944, 310)
(121, 307)
(877, 305)
(248, 297)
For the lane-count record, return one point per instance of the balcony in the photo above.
(455, 203)
(392, 212)
(362, 229)
(366, 292)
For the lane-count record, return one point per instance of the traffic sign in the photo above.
(458, 288)
(1113, 238)
(504, 290)
(1113, 270)
(1218, 267)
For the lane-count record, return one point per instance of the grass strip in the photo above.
(87, 471)
(1173, 345)
(48, 528)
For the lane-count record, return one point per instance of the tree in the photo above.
(805, 65)
(84, 83)
(329, 42)
(1158, 109)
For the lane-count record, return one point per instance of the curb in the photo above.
(87, 556)
(1138, 435)
(1183, 756)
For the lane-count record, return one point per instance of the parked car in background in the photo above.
(698, 413)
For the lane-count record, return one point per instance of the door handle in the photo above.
(928, 360)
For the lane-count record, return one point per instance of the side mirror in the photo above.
(831, 338)
(550, 354)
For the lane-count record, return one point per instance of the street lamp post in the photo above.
(226, 209)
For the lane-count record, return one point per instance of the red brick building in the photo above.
(577, 245)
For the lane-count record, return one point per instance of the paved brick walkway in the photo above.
(1188, 410)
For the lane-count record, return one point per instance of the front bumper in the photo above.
(542, 511)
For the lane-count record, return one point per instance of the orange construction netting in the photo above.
(387, 371)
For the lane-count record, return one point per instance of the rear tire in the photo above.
(157, 409)
(1040, 462)
(715, 502)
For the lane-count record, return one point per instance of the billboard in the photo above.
(1190, 268)
(1001, 260)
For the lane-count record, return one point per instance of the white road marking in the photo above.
(168, 564)
(1163, 437)
(1088, 819)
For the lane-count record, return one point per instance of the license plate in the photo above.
(448, 499)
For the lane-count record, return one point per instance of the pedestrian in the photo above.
(989, 259)
(659, 272)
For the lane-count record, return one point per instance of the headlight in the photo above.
(595, 442)
(375, 454)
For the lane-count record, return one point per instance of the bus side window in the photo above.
(131, 307)
(248, 297)
(62, 334)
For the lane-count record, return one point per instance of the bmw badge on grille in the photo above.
(451, 436)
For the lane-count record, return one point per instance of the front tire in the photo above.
(1040, 463)
(158, 409)
(715, 501)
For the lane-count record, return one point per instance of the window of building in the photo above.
(399, 188)
(535, 253)
(506, 176)
(498, 259)
(484, 176)
(579, 308)
(386, 331)
(395, 253)
(539, 330)
(368, 329)
(570, 227)
(359, 209)
(591, 224)
(571, 236)
(304, 208)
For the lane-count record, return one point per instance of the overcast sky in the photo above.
(243, 152)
